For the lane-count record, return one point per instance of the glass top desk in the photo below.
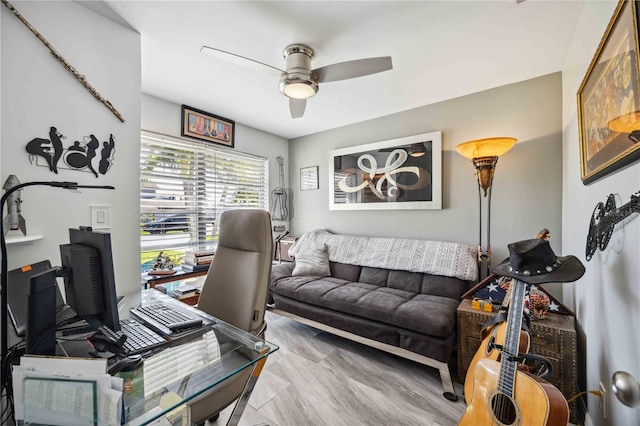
(187, 369)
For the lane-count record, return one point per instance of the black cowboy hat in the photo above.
(534, 262)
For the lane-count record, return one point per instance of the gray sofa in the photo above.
(408, 313)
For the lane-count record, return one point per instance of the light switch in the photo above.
(100, 217)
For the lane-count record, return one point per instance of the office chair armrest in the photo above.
(259, 332)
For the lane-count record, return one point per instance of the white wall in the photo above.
(527, 184)
(163, 117)
(607, 298)
(38, 92)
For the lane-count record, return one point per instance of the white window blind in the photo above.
(184, 188)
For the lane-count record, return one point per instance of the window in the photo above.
(184, 188)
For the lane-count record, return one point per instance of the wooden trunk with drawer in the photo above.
(553, 337)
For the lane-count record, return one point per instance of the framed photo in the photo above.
(308, 178)
(404, 173)
(609, 99)
(207, 127)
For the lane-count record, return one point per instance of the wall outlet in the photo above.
(279, 228)
(603, 400)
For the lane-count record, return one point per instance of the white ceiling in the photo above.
(440, 50)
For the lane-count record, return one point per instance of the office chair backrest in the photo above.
(235, 288)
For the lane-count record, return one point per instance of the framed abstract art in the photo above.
(402, 173)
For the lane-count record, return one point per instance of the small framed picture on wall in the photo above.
(207, 127)
(308, 178)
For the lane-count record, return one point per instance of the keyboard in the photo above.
(140, 339)
(166, 320)
(64, 315)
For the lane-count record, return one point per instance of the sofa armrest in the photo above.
(281, 270)
(278, 271)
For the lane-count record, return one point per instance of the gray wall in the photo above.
(607, 298)
(527, 186)
(38, 92)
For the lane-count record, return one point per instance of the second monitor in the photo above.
(89, 278)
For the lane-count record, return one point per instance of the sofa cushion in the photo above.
(415, 282)
(375, 276)
(345, 271)
(428, 314)
(403, 280)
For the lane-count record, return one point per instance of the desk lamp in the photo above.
(484, 154)
(3, 245)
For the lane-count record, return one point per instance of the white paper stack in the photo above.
(66, 391)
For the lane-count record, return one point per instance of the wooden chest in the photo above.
(553, 337)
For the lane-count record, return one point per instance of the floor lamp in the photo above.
(3, 247)
(484, 154)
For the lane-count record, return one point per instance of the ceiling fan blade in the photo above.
(241, 61)
(297, 107)
(353, 69)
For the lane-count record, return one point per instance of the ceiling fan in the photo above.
(299, 81)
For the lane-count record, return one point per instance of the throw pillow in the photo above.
(313, 262)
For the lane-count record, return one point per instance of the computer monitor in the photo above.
(18, 287)
(89, 280)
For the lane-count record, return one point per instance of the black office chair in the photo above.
(235, 291)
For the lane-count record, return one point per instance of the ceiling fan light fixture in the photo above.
(298, 86)
(298, 82)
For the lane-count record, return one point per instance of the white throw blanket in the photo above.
(430, 257)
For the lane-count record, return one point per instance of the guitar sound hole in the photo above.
(504, 409)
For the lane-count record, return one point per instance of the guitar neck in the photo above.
(619, 214)
(512, 339)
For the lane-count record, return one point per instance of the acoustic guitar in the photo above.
(503, 395)
(493, 338)
(494, 335)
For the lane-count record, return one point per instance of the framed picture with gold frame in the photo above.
(609, 99)
(207, 127)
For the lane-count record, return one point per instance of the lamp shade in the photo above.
(626, 123)
(489, 147)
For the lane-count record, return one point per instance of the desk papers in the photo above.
(66, 391)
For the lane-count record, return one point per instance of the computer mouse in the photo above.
(126, 364)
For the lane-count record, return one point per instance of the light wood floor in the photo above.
(320, 379)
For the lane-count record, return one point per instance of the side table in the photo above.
(553, 337)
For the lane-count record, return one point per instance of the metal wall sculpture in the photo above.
(603, 220)
(78, 156)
